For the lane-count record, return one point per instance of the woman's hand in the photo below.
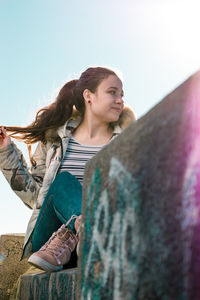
(5, 140)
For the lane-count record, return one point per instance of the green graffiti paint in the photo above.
(108, 246)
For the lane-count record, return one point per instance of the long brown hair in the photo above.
(57, 113)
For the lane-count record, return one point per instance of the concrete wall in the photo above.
(10, 266)
(39, 285)
(141, 236)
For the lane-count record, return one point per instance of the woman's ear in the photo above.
(87, 95)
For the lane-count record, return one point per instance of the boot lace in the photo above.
(63, 234)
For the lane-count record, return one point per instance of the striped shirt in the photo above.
(76, 156)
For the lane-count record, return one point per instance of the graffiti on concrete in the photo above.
(12, 247)
(109, 245)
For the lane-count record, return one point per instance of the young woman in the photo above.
(86, 115)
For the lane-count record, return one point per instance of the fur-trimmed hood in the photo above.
(126, 117)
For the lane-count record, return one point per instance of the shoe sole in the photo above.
(43, 264)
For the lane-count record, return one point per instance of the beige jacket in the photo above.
(31, 185)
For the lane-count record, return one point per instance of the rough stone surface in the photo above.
(141, 212)
(39, 285)
(10, 266)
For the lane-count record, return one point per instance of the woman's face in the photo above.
(106, 103)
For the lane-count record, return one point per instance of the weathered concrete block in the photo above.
(39, 285)
(141, 212)
(10, 265)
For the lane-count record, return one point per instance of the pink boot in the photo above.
(57, 251)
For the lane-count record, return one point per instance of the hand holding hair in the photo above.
(5, 140)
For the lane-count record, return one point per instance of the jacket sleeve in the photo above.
(24, 182)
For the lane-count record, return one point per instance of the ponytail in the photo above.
(50, 117)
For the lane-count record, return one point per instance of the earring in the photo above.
(89, 101)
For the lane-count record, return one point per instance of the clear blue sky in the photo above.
(43, 43)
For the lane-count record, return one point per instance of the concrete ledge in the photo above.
(39, 285)
(10, 265)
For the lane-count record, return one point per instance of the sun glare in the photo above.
(172, 26)
(179, 22)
